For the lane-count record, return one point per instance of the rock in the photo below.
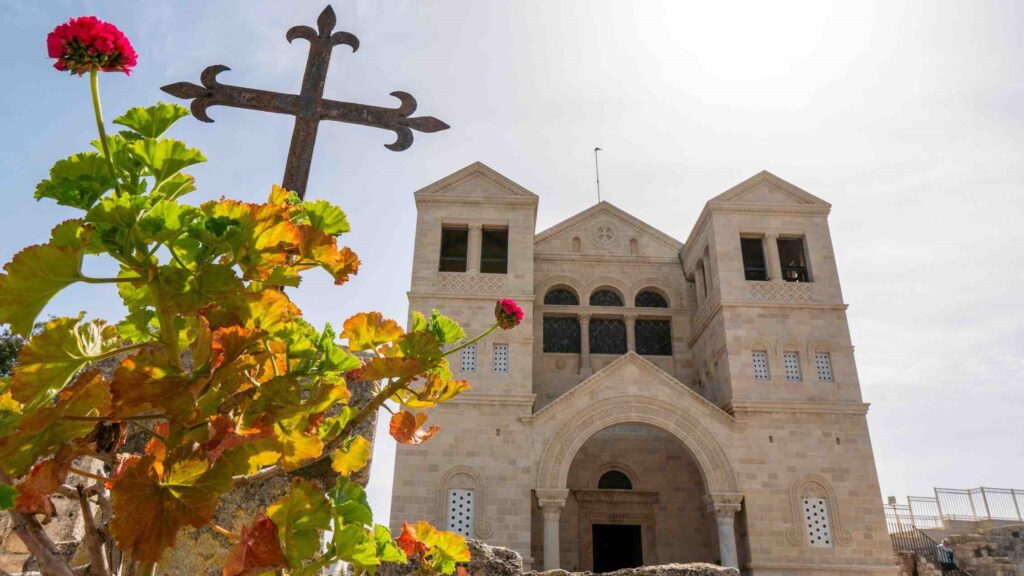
(697, 569)
(493, 560)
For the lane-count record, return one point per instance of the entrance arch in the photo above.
(716, 471)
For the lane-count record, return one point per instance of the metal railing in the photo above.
(972, 505)
(926, 549)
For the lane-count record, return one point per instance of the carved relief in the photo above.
(605, 233)
(470, 283)
(785, 292)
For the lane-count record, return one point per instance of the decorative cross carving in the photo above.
(309, 107)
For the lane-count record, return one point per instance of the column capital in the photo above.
(551, 497)
(724, 506)
(629, 318)
(584, 317)
(475, 226)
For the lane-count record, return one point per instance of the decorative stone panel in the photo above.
(784, 292)
(471, 283)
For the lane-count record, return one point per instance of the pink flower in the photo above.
(88, 43)
(508, 313)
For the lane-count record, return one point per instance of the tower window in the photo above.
(454, 249)
(793, 260)
(460, 512)
(817, 522)
(614, 480)
(605, 297)
(469, 358)
(761, 365)
(653, 337)
(791, 363)
(754, 266)
(561, 297)
(650, 299)
(499, 359)
(607, 336)
(561, 334)
(494, 251)
(823, 363)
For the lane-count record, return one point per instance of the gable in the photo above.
(604, 229)
(633, 375)
(475, 184)
(767, 188)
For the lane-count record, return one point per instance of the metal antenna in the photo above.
(597, 171)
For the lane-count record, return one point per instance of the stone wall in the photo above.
(991, 552)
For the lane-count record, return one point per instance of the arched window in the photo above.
(561, 296)
(562, 334)
(614, 480)
(605, 297)
(653, 337)
(650, 299)
(607, 336)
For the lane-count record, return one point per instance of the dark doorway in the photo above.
(617, 546)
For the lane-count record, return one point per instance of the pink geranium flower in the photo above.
(508, 313)
(88, 43)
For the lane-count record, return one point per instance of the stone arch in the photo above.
(604, 282)
(817, 486)
(481, 527)
(543, 286)
(716, 471)
(606, 467)
(654, 285)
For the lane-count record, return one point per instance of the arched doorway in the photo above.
(609, 433)
(636, 497)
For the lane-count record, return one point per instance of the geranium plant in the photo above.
(214, 363)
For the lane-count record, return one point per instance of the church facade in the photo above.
(661, 402)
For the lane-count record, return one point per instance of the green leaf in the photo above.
(446, 330)
(119, 211)
(177, 186)
(350, 503)
(153, 121)
(165, 157)
(53, 356)
(387, 550)
(138, 326)
(326, 217)
(418, 322)
(300, 517)
(167, 220)
(353, 544)
(7, 495)
(77, 181)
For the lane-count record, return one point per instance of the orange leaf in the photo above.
(407, 428)
(384, 368)
(323, 249)
(366, 331)
(409, 543)
(35, 490)
(257, 551)
(145, 383)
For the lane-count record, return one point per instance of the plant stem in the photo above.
(473, 341)
(94, 85)
(117, 418)
(88, 474)
(90, 280)
(224, 531)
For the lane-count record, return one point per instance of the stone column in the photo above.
(473, 251)
(551, 503)
(725, 507)
(630, 332)
(771, 246)
(585, 369)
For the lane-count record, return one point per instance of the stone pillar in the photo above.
(630, 332)
(551, 503)
(473, 250)
(771, 247)
(585, 369)
(725, 507)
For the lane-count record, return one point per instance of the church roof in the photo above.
(474, 183)
(767, 188)
(607, 208)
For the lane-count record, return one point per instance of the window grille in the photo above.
(791, 362)
(494, 251)
(469, 358)
(460, 512)
(649, 299)
(500, 358)
(823, 362)
(793, 260)
(653, 337)
(562, 334)
(561, 297)
(607, 336)
(605, 298)
(761, 365)
(454, 249)
(614, 480)
(819, 528)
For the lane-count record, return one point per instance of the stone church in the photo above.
(663, 401)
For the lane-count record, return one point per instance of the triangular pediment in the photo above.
(767, 188)
(622, 376)
(604, 229)
(476, 183)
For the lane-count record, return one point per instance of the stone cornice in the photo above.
(467, 296)
(796, 407)
(475, 201)
(603, 258)
(785, 567)
(616, 496)
(484, 398)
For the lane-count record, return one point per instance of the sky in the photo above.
(907, 116)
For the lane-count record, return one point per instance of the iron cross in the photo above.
(309, 107)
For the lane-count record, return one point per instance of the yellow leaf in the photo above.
(366, 331)
(352, 457)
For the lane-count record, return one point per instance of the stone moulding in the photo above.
(816, 486)
(481, 526)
